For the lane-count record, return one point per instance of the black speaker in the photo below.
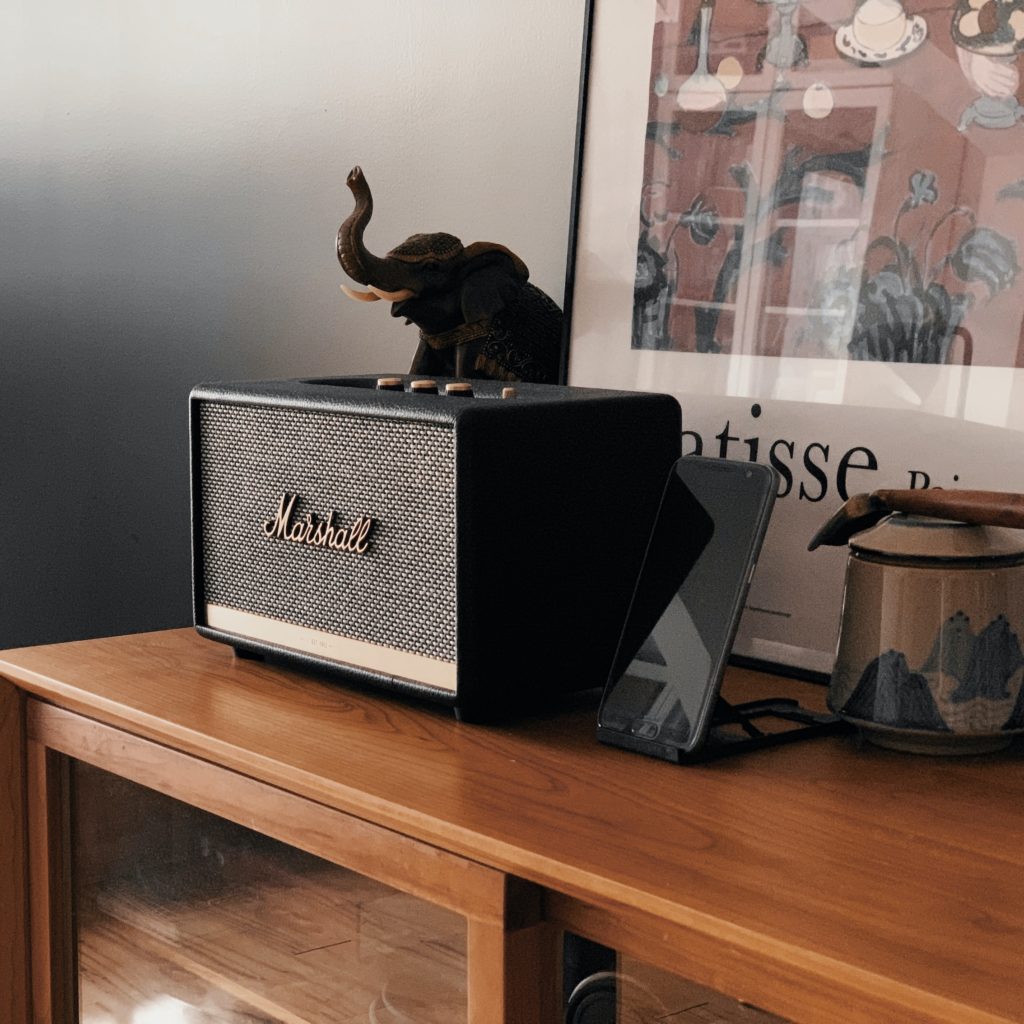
(478, 549)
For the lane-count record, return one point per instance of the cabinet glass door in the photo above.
(181, 917)
(635, 992)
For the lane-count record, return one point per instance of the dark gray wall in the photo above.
(171, 180)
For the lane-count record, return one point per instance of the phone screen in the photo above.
(688, 600)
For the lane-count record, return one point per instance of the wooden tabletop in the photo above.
(901, 874)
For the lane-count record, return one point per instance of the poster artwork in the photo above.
(772, 190)
(828, 263)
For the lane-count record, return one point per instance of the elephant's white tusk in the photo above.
(360, 296)
(405, 293)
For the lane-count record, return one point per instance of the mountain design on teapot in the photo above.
(983, 664)
(890, 693)
(966, 684)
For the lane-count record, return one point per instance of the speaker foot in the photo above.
(241, 652)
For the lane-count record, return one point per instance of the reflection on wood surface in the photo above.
(256, 932)
(186, 918)
(652, 996)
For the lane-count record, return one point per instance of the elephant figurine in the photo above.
(478, 315)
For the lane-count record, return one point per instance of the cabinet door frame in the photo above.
(512, 964)
(15, 975)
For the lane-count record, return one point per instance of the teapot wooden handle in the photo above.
(986, 508)
(983, 508)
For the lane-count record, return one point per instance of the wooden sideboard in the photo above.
(826, 882)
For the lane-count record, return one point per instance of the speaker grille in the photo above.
(401, 593)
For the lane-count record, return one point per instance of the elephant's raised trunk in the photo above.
(356, 260)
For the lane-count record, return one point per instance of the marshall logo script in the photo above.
(317, 533)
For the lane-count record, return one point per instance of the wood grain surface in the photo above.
(382, 854)
(884, 885)
(299, 941)
(293, 942)
(53, 953)
(14, 973)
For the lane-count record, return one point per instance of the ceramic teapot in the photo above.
(931, 647)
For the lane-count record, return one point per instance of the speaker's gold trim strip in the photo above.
(412, 667)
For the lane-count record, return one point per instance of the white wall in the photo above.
(171, 181)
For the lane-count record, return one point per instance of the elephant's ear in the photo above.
(483, 249)
(491, 281)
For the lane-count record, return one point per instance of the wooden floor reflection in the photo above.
(266, 936)
(248, 931)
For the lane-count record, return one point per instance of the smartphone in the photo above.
(664, 682)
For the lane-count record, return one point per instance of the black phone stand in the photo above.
(734, 730)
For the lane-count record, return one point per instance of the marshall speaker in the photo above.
(477, 549)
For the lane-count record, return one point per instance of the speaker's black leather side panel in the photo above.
(555, 512)
(195, 495)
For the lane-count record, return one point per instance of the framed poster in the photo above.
(806, 221)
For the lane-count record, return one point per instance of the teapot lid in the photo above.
(905, 536)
